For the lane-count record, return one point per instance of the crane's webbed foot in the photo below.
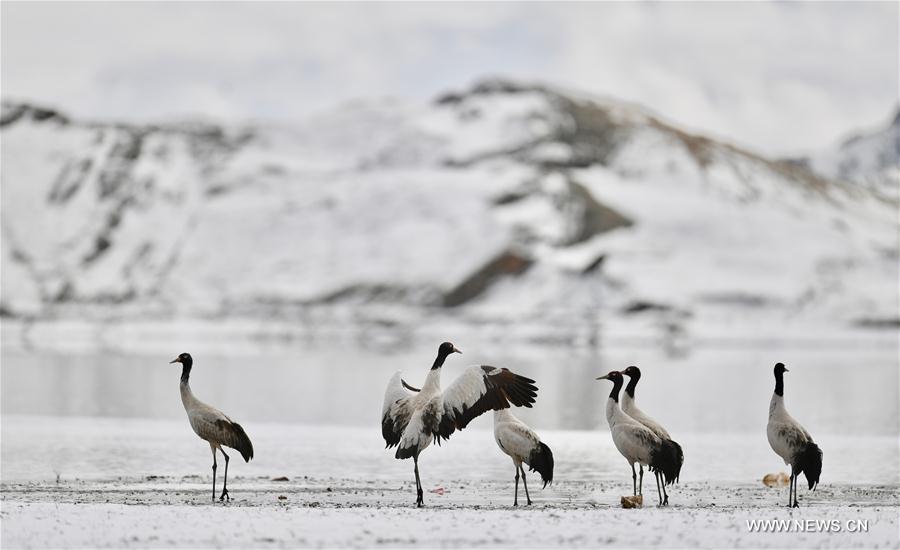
(224, 495)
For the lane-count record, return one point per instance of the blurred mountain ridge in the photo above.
(502, 202)
(869, 157)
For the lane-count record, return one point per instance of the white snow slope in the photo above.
(870, 158)
(502, 203)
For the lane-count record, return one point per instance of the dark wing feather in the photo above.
(231, 434)
(482, 389)
(395, 412)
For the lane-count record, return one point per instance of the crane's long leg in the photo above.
(665, 494)
(641, 482)
(516, 498)
(791, 489)
(225, 482)
(658, 490)
(419, 500)
(796, 504)
(214, 471)
(525, 484)
(634, 479)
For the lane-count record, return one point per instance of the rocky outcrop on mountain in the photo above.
(870, 158)
(501, 202)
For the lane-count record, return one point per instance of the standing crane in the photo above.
(791, 441)
(411, 417)
(212, 425)
(630, 408)
(636, 442)
(523, 445)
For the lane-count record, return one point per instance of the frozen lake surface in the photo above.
(843, 384)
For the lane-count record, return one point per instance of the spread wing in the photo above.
(396, 411)
(482, 389)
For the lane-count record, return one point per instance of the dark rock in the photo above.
(879, 323)
(641, 306)
(506, 263)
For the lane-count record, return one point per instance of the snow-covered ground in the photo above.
(140, 483)
(350, 514)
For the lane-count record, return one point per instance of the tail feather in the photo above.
(541, 461)
(406, 452)
(668, 459)
(231, 434)
(242, 442)
(810, 463)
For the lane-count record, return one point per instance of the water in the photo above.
(313, 408)
(709, 390)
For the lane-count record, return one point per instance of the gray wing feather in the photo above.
(218, 428)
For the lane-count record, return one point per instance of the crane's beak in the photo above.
(604, 377)
(456, 350)
(786, 369)
(176, 360)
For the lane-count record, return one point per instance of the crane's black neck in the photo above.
(779, 383)
(632, 384)
(439, 360)
(617, 387)
(186, 370)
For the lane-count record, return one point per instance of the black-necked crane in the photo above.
(636, 442)
(212, 425)
(631, 409)
(523, 445)
(411, 418)
(791, 441)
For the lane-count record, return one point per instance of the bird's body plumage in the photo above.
(786, 436)
(214, 426)
(632, 439)
(631, 409)
(425, 409)
(514, 437)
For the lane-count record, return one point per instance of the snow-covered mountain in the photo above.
(503, 204)
(870, 158)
